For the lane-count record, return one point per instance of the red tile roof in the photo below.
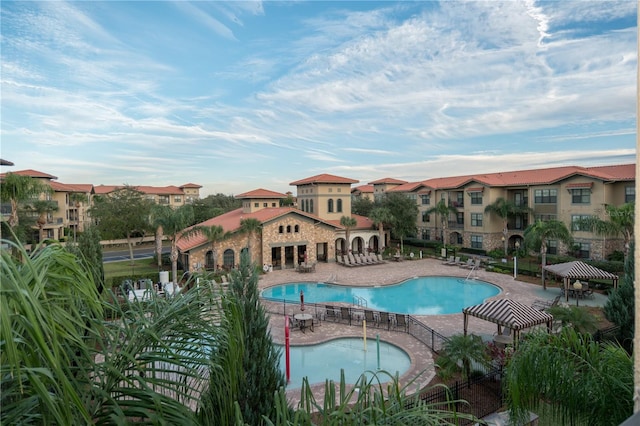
(151, 190)
(32, 173)
(190, 185)
(323, 178)
(230, 222)
(68, 187)
(388, 180)
(261, 193)
(362, 222)
(363, 189)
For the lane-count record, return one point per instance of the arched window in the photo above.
(281, 229)
(229, 259)
(330, 205)
(288, 229)
(339, 205)
(296, 228)
(310, 206)
(209, 261)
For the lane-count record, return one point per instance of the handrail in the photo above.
(359, 301)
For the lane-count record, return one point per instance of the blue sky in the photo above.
(236, 96)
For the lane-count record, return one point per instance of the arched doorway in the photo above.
(229, 259)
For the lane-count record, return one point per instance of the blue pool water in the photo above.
(417, 296)
(325, 360)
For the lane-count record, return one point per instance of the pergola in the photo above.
(508, 313)
(578, 270)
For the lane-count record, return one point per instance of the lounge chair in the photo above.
(381, 259)
(347, 262)
(370, 317)
(542, 304)
(456, 261)
(330, 313)
(402, 322)
(339, 260)
(385, 320)
(467, 265)
(448, 261)
(345, 314)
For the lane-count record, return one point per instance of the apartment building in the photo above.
(72, 201)
(563, 193)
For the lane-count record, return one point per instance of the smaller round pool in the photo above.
(325, 360)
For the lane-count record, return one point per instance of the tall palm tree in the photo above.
(42, 208)
(538, 234)
(380, 216)
(173, 221)
(443, 210)
(348, 223)
(214, 234)
(619, 221)
(18, 189)
(506, 209)
(250, 226)
(582, 381)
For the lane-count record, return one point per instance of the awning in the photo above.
(579, 185)
(475, 189)
(580, 271)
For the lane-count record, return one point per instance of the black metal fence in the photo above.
(479, 396)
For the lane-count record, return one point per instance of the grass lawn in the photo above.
(125, 267)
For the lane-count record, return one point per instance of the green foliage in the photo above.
(404, 211)
(172, 222)
(89, 251)
(467, 350)
(121, 213)
(620, 306)
(584, 382)
(362, 206)
(260, 372)
(575, 316)
(212, 206)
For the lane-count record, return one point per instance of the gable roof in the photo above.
(509, 313)
(230, 222)
(324, 178)
(261, 193)
(32, 173)
(190, 185)
(579, 270)
(388, 180)
(363, 189)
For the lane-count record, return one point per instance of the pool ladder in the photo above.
(359, 301)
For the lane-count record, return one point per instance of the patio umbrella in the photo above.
(301, 300)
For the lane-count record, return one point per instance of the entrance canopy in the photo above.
(508, 313)
(578, 270)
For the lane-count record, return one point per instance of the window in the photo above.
(296, 228)
(281, 229)
(575, 221)
(310, 206)
(330, 206)
(177, 199)
(476, 198)
(476, 219)
(413, 197)
(330, 189)
(552, 247)
(459, 200)
(425, 217)
(288, 229)
(228, 259)
(545, 196)
(339, 205)
(426, 199)
(584, 251)
(476, 241)
(426, 234)
(273, 204)
(629, 194)
(163, 199)
(581, 196)
(256, 205)
(545, 217)
(460, 218)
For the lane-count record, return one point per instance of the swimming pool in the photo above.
(325, 360)
(417, 296)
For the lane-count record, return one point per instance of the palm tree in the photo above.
(443, 210)
(506, 209)
(538, 234)
(250, 226)
(619, 221)
(380, 216)
(348, 223)
(42, 208)
(573, 316)
(18, 189)
(581, 380)
(173, 221)
(214, 234)
(466, 349)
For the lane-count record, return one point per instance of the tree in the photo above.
(172, 222)
(348, 223)
(362, 206)
(582, 381)
(620, 306)
(538, 234)
(574, 316)
(506, 209)
(288, 201)
(214, 205)
(443, 210)
(619, 221)
(78, 198)
(250, 226)
(261, 359)
(381, 216)
(404, 211)
(123, 213)
(467, 349)
(214, 234)
(89, 250)
(18, 189)
(42, 208)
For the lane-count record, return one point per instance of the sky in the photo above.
(236, 96)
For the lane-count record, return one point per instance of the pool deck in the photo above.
(392, 273)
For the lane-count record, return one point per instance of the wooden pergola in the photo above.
(578, 270)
